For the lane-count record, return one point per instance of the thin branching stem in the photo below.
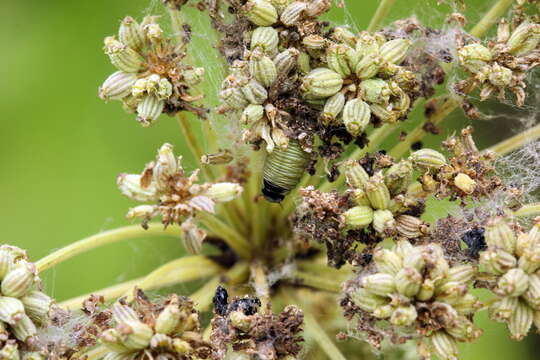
(260, 283)
(516, 141)
(317, 281)
(380, 14)
(104, 238)
(180, 270)
(193, 144)
(231, 236)
(528, 210)
(172, 273)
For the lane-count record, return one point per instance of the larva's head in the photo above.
(272, 192)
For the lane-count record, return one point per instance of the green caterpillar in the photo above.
(283, 169)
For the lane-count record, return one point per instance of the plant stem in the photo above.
(232, 237)
(104, 238)
(317, 282)
(496, 11)
(203, 297)
(516, 141)
(260, 284)
(380, 14)
(179, 270)
(193, 144)
(528, 210)
(174, 272)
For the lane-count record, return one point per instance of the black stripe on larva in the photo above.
(273, 193)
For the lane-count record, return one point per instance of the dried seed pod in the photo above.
(356, 175)
(385, 115)
(234, 98)
(149, 110)
(283, 169)
(19, 280)
(360, 198)
(468, 304)
(321, 83)
(500, 76)
(223, 192)
(408, 282)
(24, 328)
(428, 159)
(11, 309)
(265, 38)
(168, 319)
(368, 66)
(318, 7)
(130, 186)
(37, 306)
(314, 42)
(254, 92)
(122, 57)
(465, 183)
(379, 284)
(286, 61)
(532, 295)
(219, 158)
(383, 221)
(358, 217)
(524, 39)
(261, 12)
(410, 227)
(404, 316)
(332, 108)
(356, 116)
(444, 345)
(336, 57)
(377, 192)
(514, 283)
(503, 309)
(343, 35)
(498, 234)
(252, 114)
(474, 57)
(117, 86)
(529, 261)
(497, 261)
(398, 177)
(292, 13)
(368, 301)
(387, 261)
(193, 237)
(461, 274)
(521, 321)
(395, 51)
(131, 33)
(262, 68)
(135, 334)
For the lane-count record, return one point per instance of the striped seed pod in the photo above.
(117, 86)
(149, 110)
(131, 33)
(428, 158)
(261, 12)
(286, 60)
(293, 13)
(524, 39)
(336, 57)
(283, 169)
(322, 83)
(394, 51)
(122, 57)
(356, 116)
(262, 68)
(266, 38)
(332, 108)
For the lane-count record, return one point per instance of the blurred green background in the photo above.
(61, 147)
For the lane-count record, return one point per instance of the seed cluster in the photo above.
(504, 63)
(179, 198)
(513, 259)
(23, 306)
(152, 77)
(168, 330)
(296, 80)
(417, 292)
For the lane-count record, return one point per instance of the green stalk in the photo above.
(318, 282)
(260, 284)
(233, 238)
(104, 238)
(177, 271)
(528, 210)
(496, 11)
(380, 14)
(516, 141)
